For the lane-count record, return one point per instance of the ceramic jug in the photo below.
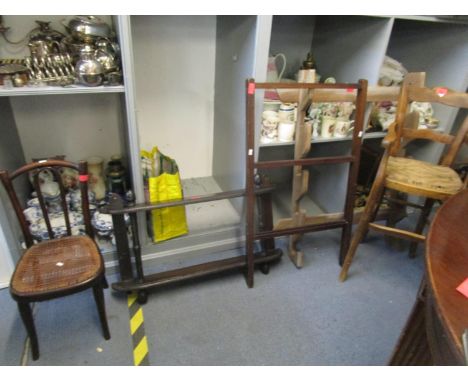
(96, 177)
(272, 69)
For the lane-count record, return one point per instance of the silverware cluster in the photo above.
(53, 69)
(89, 55)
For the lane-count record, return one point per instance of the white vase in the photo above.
(96, 178)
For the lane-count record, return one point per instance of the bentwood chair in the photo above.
(411, 176)
(58, 266)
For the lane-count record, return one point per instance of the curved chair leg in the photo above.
(425, 212)
(28, 321)
(368, 214)
(99, 298)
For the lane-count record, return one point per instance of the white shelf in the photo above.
(51, 90)
(378, 134)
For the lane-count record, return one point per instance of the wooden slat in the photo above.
(40, 197)
(324, 218)
(374, 94)
(300, 183)
(301, 229)
(391, 231)
(309, 220)
(63, 199)
(304, 162)
(451, 98)
(428, 134)
(353, 168)
(304, 85)
(300, 186)
(249, 178)
(400, 118)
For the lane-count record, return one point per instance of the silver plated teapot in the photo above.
(89, 71)
(107, 55)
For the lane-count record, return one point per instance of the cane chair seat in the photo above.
(422, 178)
(56, 265)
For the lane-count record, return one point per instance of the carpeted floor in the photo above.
(290, 317)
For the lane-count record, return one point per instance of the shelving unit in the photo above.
(75, 121)
(352, 47)
(183, 91)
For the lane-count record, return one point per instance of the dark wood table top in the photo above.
(447, 266)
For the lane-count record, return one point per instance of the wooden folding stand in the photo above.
(136, 281)
(300, 223)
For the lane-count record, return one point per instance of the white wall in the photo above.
(78, 125)
(11, 157)
(175, 71)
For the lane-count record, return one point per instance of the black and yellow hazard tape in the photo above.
(137, 330)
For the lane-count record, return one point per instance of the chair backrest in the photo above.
(33, 170)
(406, 124)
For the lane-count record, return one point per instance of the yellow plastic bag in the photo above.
(163, 184)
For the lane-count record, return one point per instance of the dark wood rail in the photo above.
(183, 202)
(304, 162)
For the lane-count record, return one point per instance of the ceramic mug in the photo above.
(342, 128)
(286, 131)
(328, 124)
(286, 112)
